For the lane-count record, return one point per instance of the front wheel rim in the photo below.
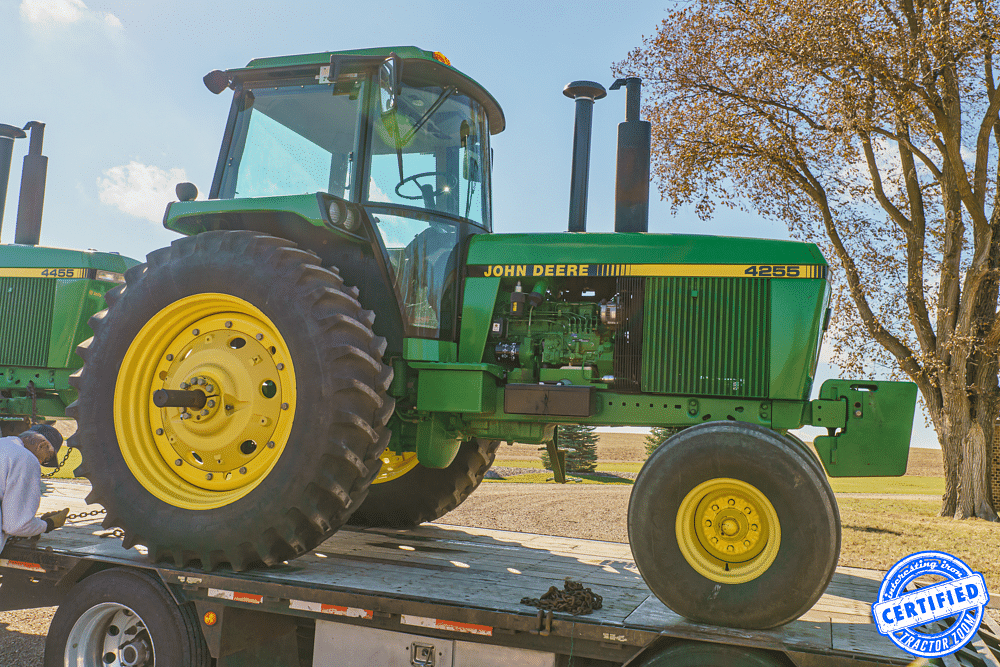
(230, 351)
(728, 530)
(109, 634)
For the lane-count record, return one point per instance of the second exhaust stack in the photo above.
(632, 176)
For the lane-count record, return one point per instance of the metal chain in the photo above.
(574, 598)
(59, 465)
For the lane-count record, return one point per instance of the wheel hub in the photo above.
(113, 632)
(225, 350)
(727, 530)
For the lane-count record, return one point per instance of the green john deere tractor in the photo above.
(46, 297)
(338, 338)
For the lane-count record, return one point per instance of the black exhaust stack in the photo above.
(29, 208)
(632, 177)
(584, 92)
(8, 133)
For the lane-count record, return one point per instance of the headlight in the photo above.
(110, 276)
(343, 216)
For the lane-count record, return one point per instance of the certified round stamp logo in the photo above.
(910, 617)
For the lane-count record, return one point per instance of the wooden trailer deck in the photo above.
(471, 581)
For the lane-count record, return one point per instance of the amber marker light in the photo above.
(440, 57)
(210, 618)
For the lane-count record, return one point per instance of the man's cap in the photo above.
(53, 436)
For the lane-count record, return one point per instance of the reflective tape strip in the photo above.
(335, 610)
(235, 596)
(21, 565)
(453, 626)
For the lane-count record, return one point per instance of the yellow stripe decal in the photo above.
(648, 270)
(55, 272)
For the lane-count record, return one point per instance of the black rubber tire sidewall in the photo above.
(805, 506)
(293, 512)
(425, 494)
(174, 630)
(699, 654)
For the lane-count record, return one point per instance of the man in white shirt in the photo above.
(21, 458)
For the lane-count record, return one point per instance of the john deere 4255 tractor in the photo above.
(338, 338)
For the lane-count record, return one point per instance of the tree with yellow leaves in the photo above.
(871, 128)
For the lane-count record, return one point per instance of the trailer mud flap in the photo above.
(875, 440)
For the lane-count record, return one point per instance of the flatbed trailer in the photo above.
(446, 595)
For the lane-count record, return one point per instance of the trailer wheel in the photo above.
(406, 493)
(731, 524)
(123, 617)
(698, 654)
(232, 402)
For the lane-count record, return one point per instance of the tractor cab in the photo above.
(398, 133)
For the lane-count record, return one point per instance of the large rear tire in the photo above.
(406, 493)
(732, 524)
(124, 617)
(293, 407)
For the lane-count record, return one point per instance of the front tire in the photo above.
(288, 437)
(406, 493)
(731, 524)
(123, 617)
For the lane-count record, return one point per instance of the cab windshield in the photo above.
(293, 140)
(432, 153)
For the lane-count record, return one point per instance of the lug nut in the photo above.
(243, 471)
(178, 462)
(185, 415)
(170, 357)
(211, 404)
(260, 336)
(270, 444)
(229, 325)
(281, 367)
(195, 332)
(184, 385)
(284, 406)
(204, 413)
(208, 476)
(210, 388)
(159, 431)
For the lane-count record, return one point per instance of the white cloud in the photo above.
(140, 190)
(46, 13)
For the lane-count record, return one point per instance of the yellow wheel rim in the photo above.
(728, 530)
(228, 349)
(395, 465)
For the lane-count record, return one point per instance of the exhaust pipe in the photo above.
(29, 207)
(632, 175)
(584, 92)
(8, 133)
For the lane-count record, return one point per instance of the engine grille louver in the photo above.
(706, 337)
(24, 338)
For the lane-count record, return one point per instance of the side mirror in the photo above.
(389, 75)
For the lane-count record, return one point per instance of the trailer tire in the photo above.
(698, 654)
(733, 524)
(86, 627)
(295, 406)
(424, 494)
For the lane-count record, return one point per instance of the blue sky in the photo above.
(119, 87)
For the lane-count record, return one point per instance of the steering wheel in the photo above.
(426, 191)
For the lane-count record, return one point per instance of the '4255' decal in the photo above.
(772, 271)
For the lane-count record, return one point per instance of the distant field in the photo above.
(616, 448)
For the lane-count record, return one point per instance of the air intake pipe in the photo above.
(632, 175)
(584, 92)
(8, 133)
(29, 207)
